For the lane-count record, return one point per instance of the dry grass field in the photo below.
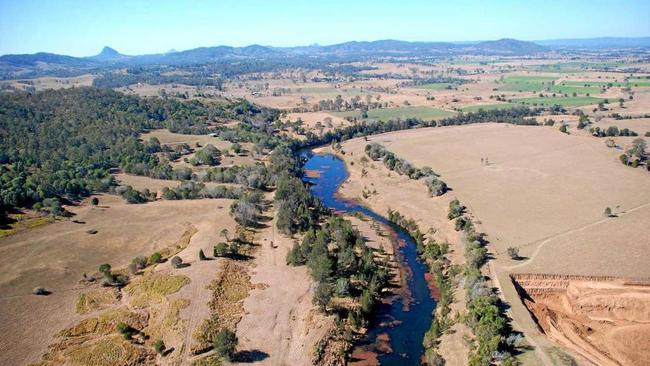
(51, 82)
(521, 196)
(542, 191)
(55, 256)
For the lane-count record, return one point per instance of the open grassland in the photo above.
(56, 255)
(434, 86)
(385, 114)
(521, 196)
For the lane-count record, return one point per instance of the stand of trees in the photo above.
(64, 143)
(436, 186)
(494, 340)
(343, 267)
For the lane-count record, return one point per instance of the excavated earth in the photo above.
(605, 320)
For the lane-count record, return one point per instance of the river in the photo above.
(404, 325)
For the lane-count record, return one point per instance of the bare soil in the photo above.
(604, 320)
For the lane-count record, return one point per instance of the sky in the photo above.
(82, 28)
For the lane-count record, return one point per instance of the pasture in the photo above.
(385, 114)
(56, 255)
(520, 197)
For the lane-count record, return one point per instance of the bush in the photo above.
(140, 262)
(177, 262)
(94, 201)
(455, 209)
(296, 257)
(224, 343)
(159, 346)
(126, 330)
(513, 252)
(221, 250)
(202, 256)
(155, 258)
(40, 291)
(105, 268)
(608, 212)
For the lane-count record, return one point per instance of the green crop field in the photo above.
(526, 83)
(385, 114)
(488, 107)
(563, 101)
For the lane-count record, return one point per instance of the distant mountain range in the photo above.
(206, 54)
(348, 51)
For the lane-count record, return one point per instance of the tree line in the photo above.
(436, 186)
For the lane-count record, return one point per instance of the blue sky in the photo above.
(82, 28)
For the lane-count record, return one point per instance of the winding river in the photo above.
(404, 323)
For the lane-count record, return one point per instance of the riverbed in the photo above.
(404, 320)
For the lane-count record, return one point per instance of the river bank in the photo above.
(379, 189)
(399, 325)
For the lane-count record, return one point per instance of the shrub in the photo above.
(608, 212)
(94, 201)
(155, 258)
(513, 252)
(140, 262)
(296, 257)
(40, 291)
(126, 330)
(224, 343)
(221, 250)
(159, 346)
(455, 209)
(624, 159)
(105, 268)
(177, 262)
(202, 255)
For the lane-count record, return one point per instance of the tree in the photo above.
(638, 148)
(224, 343)
(202, 256)
(105, 268)
(221, 250)
(177, 262)
(322, 295)
(513, 252)
(209, 155)
(224, 234)
(295, 256)
(245, 212)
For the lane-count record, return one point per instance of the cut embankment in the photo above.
(605, 320)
